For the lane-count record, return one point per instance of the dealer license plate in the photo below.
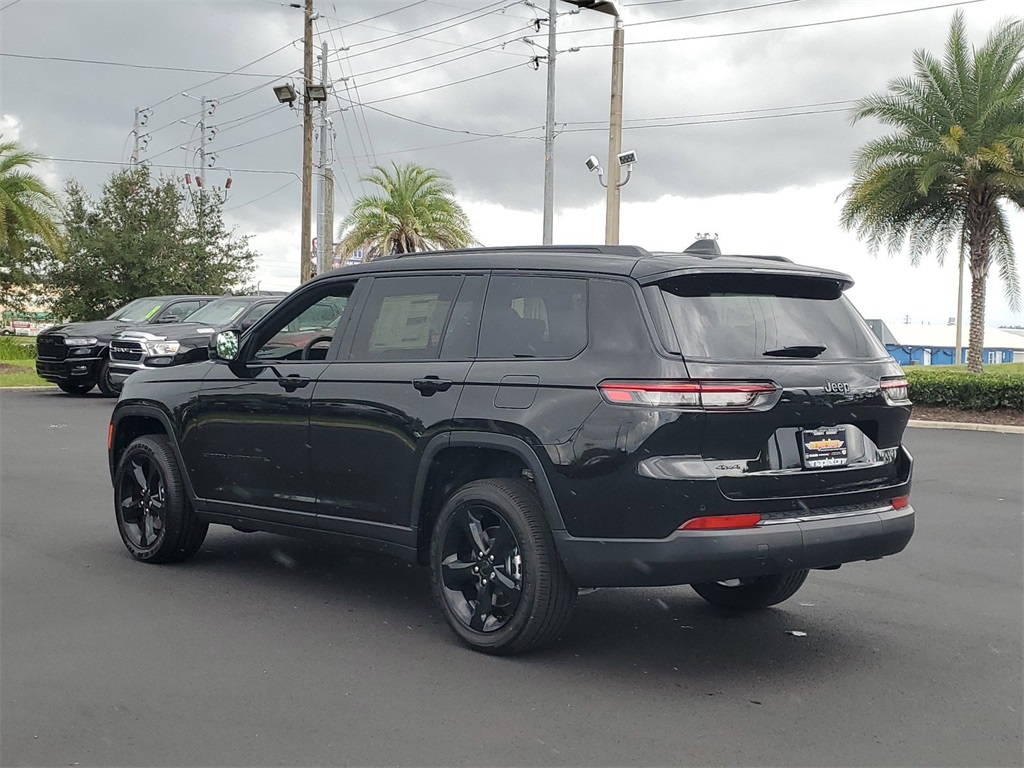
(824, 448)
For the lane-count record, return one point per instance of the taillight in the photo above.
(896, 390)
(721, 522)
(709, 395)
(901, 502)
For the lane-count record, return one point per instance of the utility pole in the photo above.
(141, 140)
(321, 215)
(305, 270)
(328, 218)
(549, 132)
(611, 227)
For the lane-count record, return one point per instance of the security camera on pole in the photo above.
(615, 153)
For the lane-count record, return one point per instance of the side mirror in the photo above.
(224, 346)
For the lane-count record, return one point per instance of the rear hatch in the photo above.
(829, 417)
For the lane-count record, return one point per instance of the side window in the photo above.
(179, 311)
(256, 313)
(404, 318)
(464, 326)
(318, 316)
(534, 317)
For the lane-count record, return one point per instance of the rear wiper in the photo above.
(800, 350)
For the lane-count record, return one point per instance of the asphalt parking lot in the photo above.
(264, 650)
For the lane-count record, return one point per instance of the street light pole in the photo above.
(611, 221)
(305, 270)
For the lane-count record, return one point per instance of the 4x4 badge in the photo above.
(837, 387)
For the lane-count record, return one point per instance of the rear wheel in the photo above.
(74, 387)
(753, 593)
(494, 570)
(107, 386)
(154, 517)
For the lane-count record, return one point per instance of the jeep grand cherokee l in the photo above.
(189, 342)
(528, 421)
(75, 356)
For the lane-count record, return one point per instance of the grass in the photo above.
(17, 348)
(26, 377)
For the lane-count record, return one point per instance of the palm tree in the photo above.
(416, 211)
(952, 166)
(27, 206)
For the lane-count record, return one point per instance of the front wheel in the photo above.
(75, 388)
(494, 570)
(753, 593)
(107, 386)
(154, 517)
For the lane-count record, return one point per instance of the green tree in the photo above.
(415, 211)
(143, 238)
(954, 164)
(28, 222)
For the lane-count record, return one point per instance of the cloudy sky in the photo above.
(738, 110)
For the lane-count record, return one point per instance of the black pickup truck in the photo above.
(134, 349)
(75, 356)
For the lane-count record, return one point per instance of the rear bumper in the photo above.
(689, 557)
(73, 369)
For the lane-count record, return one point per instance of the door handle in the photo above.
(293, 382)
(428, 385)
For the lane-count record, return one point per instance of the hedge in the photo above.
(14, 348)
(956, 388)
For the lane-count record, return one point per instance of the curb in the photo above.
(1009, 429)
(28, 389)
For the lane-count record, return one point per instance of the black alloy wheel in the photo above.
(154, 517)
(494, 569)
(481, 568)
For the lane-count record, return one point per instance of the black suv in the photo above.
(528, 421)
(75, 356)
(136, 348)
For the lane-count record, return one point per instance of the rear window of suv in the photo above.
(766, 317)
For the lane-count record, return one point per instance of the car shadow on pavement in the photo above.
(655, 634)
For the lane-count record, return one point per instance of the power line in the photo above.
(507, 135)
(787, 27)
(261, 138)
(443, 85)
(152, 165)
(712, 122)
(13, 2)
(261, 197)
(132, 66)
(718, 114)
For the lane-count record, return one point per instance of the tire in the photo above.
(75, 388)
(752, 594)
(107, 387)
(154, 517)
(529, 595)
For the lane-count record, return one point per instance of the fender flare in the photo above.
(153, 412)
(507, 443)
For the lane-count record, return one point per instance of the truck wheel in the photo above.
(494, 570)
(754, 593)
(107, 387)
(74, 387)
(154, 517)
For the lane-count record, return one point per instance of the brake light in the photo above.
(896, 390)
(709, 395)
(901, 502)
(721, 522)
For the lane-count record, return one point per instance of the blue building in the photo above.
(936, 344)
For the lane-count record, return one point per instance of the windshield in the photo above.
(137, 311)
(749, 317)
(220, 312)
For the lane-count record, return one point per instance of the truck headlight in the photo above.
(162, 347)
(79, 341)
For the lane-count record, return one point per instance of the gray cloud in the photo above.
(84, 111)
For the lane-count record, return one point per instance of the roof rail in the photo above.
(612, 250)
